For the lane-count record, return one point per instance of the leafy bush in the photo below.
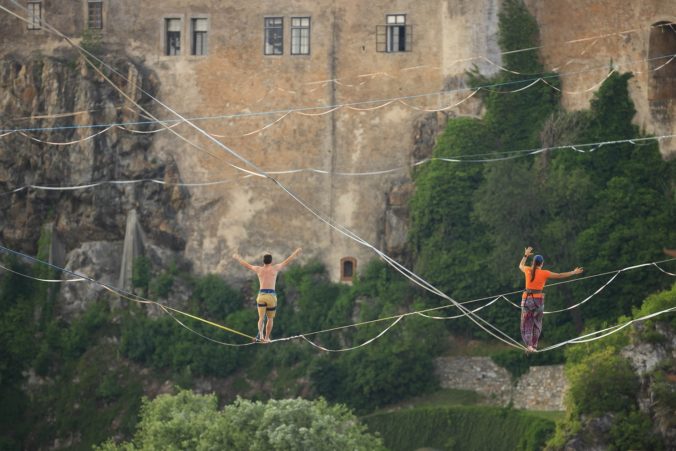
(602, 382)
(633, 430)
(190, 421)
(216, 298)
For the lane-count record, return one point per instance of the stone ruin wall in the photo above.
(541, 388)
(251, 215)
(626, 41)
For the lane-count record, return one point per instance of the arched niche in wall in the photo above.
(348, 269)
(662, 65)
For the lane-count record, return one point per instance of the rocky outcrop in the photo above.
(653, 361)
(59, 103)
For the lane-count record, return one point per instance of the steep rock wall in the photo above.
(61, 97)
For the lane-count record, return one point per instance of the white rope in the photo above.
(350, 105)
(79, 279)
(460, 316)
(353, 347)
(605, 332)
(342, 229)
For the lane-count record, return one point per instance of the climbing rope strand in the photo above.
(333, 107)
(342, 229)
(79, 279)
(404, 271)
(120, 292)
(599, 334)
(512, 154)
(601, 288)
(135, 298)
(357, 346)
(459, 316)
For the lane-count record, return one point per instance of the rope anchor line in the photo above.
(304, 336)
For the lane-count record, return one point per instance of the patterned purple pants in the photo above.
(532, 311)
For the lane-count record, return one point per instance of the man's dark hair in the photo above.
(267, 259)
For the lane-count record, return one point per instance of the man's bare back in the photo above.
(267, 297)
(267, 276)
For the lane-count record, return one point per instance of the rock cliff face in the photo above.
(62, 97)
(657, 388)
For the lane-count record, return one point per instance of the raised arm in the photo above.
(289, 259)
(526, 253)
(243, 263)
(563, 275)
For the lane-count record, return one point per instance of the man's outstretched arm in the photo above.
(243, 263)
(289, 259)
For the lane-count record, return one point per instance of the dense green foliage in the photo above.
(461, 428)
(602, 382)
(187, 421)
(604, 210)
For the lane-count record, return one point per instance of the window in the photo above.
(395, 36)
(34, 15)
(348, 267)
(274, 36)
(172, 37)
(300, 35)
(95, 15)
(199, 36)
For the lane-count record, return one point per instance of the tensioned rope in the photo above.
(484, 325)
(342, 229)
(380, 103)
(511, 154)
(494, 298)
(395, 318)
(119, 292)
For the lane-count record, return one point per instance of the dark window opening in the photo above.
(34, 15)
(95, 15)
(173, 37)
(395, 36)
(274, 36)
(348, 267)
(199, 37)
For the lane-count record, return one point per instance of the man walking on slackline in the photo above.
(533, 299)
(267, 297)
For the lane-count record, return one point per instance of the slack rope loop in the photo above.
(128, 295)
(396, 318)
(510, 155)
(304, 111)
(372, 76)
(480, 322)
(324, 218)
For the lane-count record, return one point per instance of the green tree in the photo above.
(187, 421)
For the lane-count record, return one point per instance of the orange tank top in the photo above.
(539, 281)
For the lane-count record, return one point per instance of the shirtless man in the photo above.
(267, 297)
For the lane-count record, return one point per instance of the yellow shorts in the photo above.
(267, 301)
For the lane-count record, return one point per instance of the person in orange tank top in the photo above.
(533, 298)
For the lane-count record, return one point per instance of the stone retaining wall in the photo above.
(541, 388)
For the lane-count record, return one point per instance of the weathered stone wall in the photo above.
(541, 388)
(252, 215)
(624, 44)
(235, 79)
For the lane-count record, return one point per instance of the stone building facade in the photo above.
(337, 86)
